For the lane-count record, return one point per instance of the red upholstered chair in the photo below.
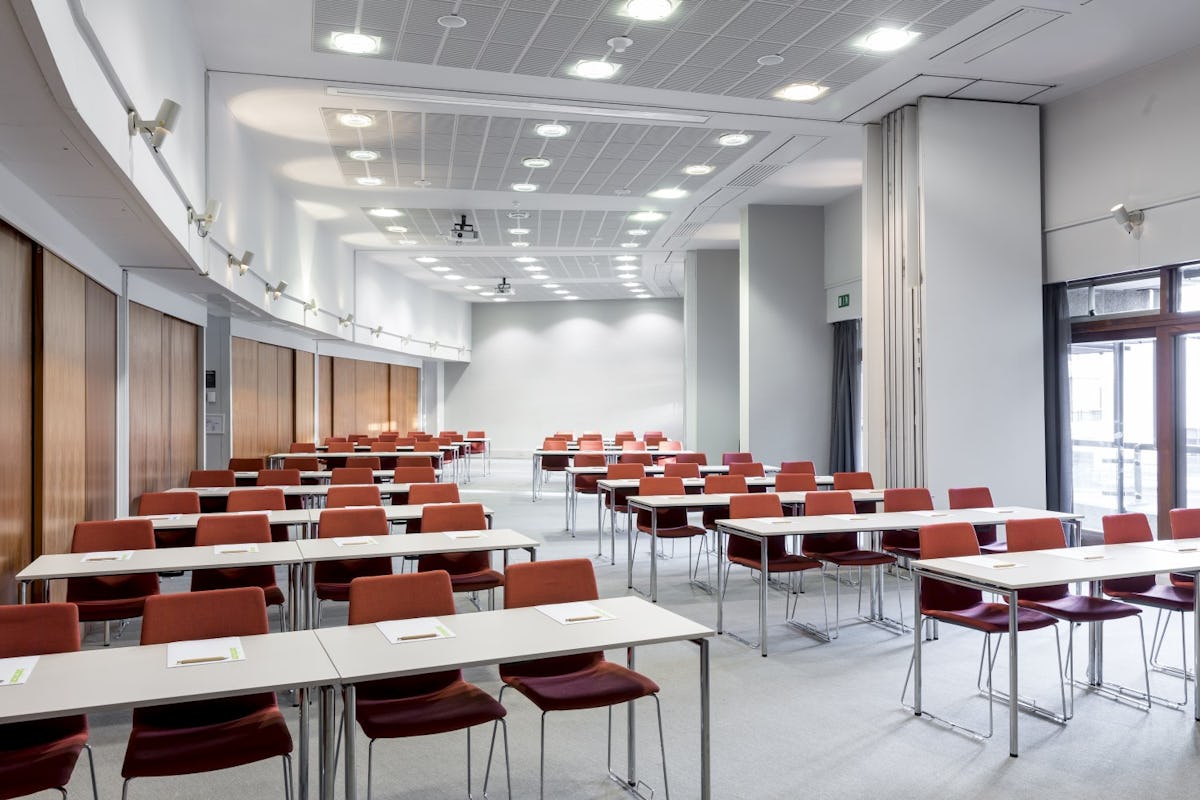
(794, 481)
(721, 484)
(41, 754)
(978, 497)
(553, 462)
(750, 469)
(652, 435)
(406, 441)
(302, 447)
(302, 463)
(343, 476)
(240, 529)
(417, 705)
(111, 597)
(218, 733)
(681, 470)
(632, 446)
(410, 474)
(798, 466)
(566, 683)
(416, 433)
(692, 458)
(853, 480)
(964, 607)
(204, 478)
(1146, 591)
(343, 446)
(840, 549)
(623, 436)
(386, 458)
(332, 578)
(645, 459)
(420, 494)
(353, 495)
(278, 477)
(905, 544)
(389, 436)
(1074, 609)
(672, 523)
(331, 439)
(585, 483)
(247, 464)
(591, 445)
(267, 498)
(1185, 524)
(469, 572)
(364, 462)
(735, 458)
(478, 447)
(616, 500)
(165, 503)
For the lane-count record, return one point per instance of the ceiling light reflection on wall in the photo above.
(356, 120)
(649, 10)
(551, 130)
(888, 40)
(733, 139)
(359, 44)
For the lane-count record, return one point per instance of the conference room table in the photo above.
(405, 452)
(311, 476)
(762, 529)
(487, 452)
(610, 454)
(311, 494)
(1009, 573)
(361, 653)
(571, 494)
(693, 502)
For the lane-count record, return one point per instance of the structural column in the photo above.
(710, 315)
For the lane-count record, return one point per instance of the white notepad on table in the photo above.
(15, 671)
(465, 534)
(231, 549)
(417, 629)
(353, 541)
(574, 613)
(987, 561)
(931, 513)
(205, 651)
(108, 555)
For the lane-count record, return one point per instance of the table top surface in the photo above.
(70, 565)
(360, 652)
(290, 491)
(885, 521)
(417, 544)
(311, 475)
(716, 499)
(405, 451)
(610, 451)
(394, 513)
(291, 516)
(633, 483)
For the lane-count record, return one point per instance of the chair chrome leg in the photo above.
(125, 789)
(662, 746)
(370, 764)
(542, 759)
(107, 633)
(92, 770)
(287, 776)
(62, 791)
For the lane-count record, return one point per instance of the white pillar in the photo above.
(711, 351)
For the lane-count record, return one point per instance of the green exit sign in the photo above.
(843, 301)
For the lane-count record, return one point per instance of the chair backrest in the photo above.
(746, 506)
(645, 459)
(422, 437)
(113, 534)
(389, 436)
(1185, 523)
(340, 447)
(363, 462)
(247, 464)
(416, 433)
(416, 594)
(735, 458)
(692, 458)
(725, 484)
(566, 436)
(623, 471)
(430, 446)
(453, 517)
(406, 441)
(624, 436)
(39, 629)
(302, 463)
(1126, 529)
(948, 540)
(654, 439)
(331, 439)
(199, 478)
(820, 503)
(751, 469)
(1037, 534)
(591, 444)
(633, 446)
(204, 615)
(278, 477)
(853, 480)
(798, 466)
(406, 474)
(794, 481)
(353, 495)
(680, 469)
(236, 529)
(534, 583)
(913, 499)
(421, 493)
(384, 446)
(591, 435)
(476, 434)
(169, 503)
(670, 444)
(302, 447)
(659, 486)
(336, 522)
(970, 497)
(348, 475)
(266, 499)
(590, 460)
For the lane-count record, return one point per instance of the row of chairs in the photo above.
(221, 733)
(359, 469)
(648, 437)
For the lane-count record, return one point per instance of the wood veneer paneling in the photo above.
(303, 373)
(100, 377)
(404, 397)
(16, 408)
(264, 405)
(325, 378)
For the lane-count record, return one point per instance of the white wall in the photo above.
(711, 318)
(542, 367)
(424, 313)
(843, 257)
(1129, 140)
(982, 340)
(786, 346)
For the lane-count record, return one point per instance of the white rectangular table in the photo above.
(610, 454)
(361, 653)
(318, 475)
(275, 460)
(572, 497)
(405, 513)
(1047, 568)
(308, 492)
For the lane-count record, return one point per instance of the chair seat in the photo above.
(457, 706)
(787, 563)
(1082, 608)
(203, 736)
(675, 533)
(854, 558)
(1169, 598)
(911, 553)
(39, 755)
(1182, 580)
(477, 581)
(104, 610)
(993, 618)
(600, 684)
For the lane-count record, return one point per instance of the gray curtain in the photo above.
(843, 445)
(1056, 346)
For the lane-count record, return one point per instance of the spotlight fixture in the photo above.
(637, 232)
(649, 10)
(486, 294)
(406, 242)
(242, 264)
(421, 183)
(376, 331)
(668, 193)
(620, 44)
(540, 276)
(697, 169)
(386, 213)
(770, 60)
(733, 139)
(346, 321)
(1131, 221)
(560, 291)
(534, 268)
(311, 306)
(524, 187)
(276, 291)
(357, 44)
(517, 214)
(520, 244)
(887, 40)
(642, 296)
(369, 180)
(158, 128)
(570, 297)
(499, 299)
(204, 222)
(362, 155)
(631, 284)
(630, 245)
(518, 231)
(551, 285)
(471, 287)
(440, 269)
(621, 192)
(551, 130)
(453, 277)
(396, 229)
(451, 21)
(801, 92)
(525, 259)
(647, 216)
(535, 162)
(355, 120)
(625, 258)
(595, 70)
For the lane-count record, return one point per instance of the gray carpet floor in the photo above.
(814, 720)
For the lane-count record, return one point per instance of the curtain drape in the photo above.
(1056, 346)
(843, 446)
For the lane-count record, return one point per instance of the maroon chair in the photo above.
(420, 494)
(554, 462)
(680, 469)
(410, 475)
(905, 544)
(798, 466)
(964, 607)
(645, 459)
(585, 483)
(794, 482)
(384, 451)
(469, 572)
(978, 497)
(302, 463)
(368, 462)
(750, 469)
(720, 484)
(1074, 609)
(265, 498)
(342, 476)
(692, 458)
(41, 754)
(206, 735)
(566, 683)
(240, 529)
(735, 458)
(302, 447)
(477, 447)
(673, 522)
(1185, 524)
(247, 464)
(154, 504)
(332, 579)
(417, 705)
(615, 501)
(111, 597)
(350, 496)
(208, 478)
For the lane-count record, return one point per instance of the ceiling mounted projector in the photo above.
(505, 288)
(463, 231)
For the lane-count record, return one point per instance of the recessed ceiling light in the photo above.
(406, 241)
(631, 284)
(355, 43)
(669, 193)
(539, 276)
(421, 183)
(451, 21)
(733, 139)
(370, 180)
(551, 285)
(647, 216)
(362, 155)
(453, 277)
(642, 296)
(355, 120)
(470, 287)
(396, 229)
(560, 291)
(887, 40)
(595, 70)
(630, 245)
(520, 244)
(626, 258)
(774, 59)
(534, 268)
(499, 299)
(425, 260)
(621, 192)
(570, 297)
(535, 162)
(440, 269)
(697, 169)
(627, 276)
(637, 232)
(518, 231)
(801, 91)
(551, 130)
(649, 10)
(525, 259)
(524, 187)
(486, 294)
(386, 213)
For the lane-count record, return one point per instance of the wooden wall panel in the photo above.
(345, 396)
(325, 377)
(264, 406)
(182, 347)
(303, 377)
(16, 408)
(100, 376)
(244, 411)
(285, 410)
(404, 400)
